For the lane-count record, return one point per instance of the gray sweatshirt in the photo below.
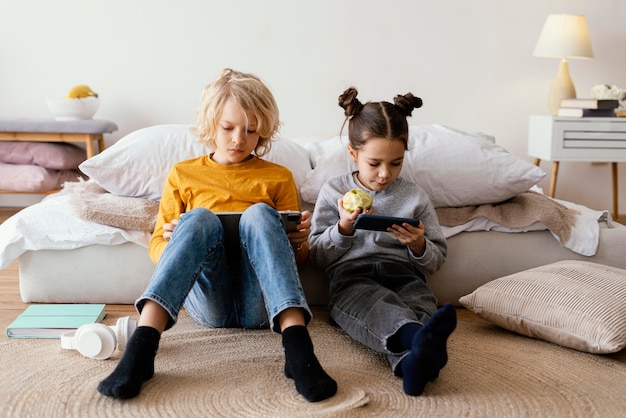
(402, 199)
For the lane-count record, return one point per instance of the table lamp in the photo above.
(563, 36)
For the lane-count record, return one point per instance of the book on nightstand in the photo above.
(590, 103)
(586, 113)
(52, 320)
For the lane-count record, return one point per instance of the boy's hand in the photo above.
(304, 229)
(168, 229)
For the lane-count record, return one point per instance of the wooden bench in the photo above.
(89, 132)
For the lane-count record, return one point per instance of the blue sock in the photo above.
(403, 338)
(428, 351)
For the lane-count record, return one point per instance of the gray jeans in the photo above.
(371, 299)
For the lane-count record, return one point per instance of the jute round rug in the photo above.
(204, 372)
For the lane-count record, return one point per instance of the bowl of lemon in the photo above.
(81, 102)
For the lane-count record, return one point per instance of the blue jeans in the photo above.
(371, 299)
(196, 271)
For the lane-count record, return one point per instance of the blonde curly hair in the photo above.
(251, 94)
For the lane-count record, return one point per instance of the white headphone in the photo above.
(99, 341)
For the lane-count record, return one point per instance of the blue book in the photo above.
(52, 320)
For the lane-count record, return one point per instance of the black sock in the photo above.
(135, 367)
(302, 366)
(428, 353)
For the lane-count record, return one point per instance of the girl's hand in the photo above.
(347, 219)
(411, 236)
(304, 229)
(168, 229)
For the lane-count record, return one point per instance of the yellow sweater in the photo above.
(201, 182)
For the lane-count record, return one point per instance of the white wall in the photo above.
(470, 61)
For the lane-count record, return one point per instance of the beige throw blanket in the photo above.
(518, 212)
(93, 203)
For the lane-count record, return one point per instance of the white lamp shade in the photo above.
(564, 36)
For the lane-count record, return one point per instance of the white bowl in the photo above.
(73, 109)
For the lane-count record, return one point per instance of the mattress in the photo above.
(113, 274)
(68, 258)
(475, 258)
(118, 274)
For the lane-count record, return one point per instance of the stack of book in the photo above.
(580, 108)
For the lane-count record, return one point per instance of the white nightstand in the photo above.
(560, 139)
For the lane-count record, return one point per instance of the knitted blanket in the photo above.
(93, 203)
(518, 212)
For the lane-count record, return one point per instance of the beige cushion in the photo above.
(93, 203)
(576, 304)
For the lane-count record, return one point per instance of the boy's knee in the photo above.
(198, 220)
(258, 209)
(256, 212)
(197, 214)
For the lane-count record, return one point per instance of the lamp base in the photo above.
(562, 88)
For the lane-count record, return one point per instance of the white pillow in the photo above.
(138, 164)
(455, 168)
(329, 159)
(576, 304)
(292, 155)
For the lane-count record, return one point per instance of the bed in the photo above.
(88, 242)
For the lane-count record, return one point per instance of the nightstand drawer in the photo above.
(583, 139)
(595, 136)
(593, 140)
(593, 144)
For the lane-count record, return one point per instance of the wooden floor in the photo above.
(10, 303)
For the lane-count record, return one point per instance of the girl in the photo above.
(256, 286)
(378, 290)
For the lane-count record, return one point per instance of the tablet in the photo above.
(381, 223)
(230, 222)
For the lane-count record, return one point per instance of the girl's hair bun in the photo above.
(407, 103)
(348, 101)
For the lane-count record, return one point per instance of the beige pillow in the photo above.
(576, 304)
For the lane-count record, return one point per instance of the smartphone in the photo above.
(381, 223)
(291, 218)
